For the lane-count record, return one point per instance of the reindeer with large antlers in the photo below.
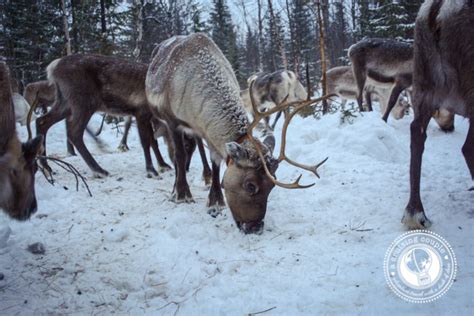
(192, 86)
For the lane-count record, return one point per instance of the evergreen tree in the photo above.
(223, 34)
(272, 41)
(302, 36)
(390, 20)
(32, 36)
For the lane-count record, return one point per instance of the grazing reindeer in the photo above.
(270, 89)
(342, 83)
(17, 160)
(86, 84)
(385, 61)
(443, 78)
(192, 86)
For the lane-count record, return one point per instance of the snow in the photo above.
(129, 250)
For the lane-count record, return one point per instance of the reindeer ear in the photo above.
(236, 152)
(33, 148)
(269, 141)
(272, 165)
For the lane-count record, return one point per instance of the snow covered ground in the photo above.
(128, 250)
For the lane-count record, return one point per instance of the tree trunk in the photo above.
(273, 31)
(139, 29)
(66, 28)
(323, 54)
(260, 36)
(102, 17)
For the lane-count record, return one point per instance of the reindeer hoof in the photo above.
(207, 180)
(123, 148)
(215, 210)
(151, 173)
(178, 200)
(100, 174)
(417, 220)
(165, 168)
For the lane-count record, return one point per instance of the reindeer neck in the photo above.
(7, 114)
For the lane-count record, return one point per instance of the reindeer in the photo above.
(86, 84)
(41, 94)
(17, 160)
(443, 79)
(341, 82)
(270, 89)
(384, 61)
(192, 86)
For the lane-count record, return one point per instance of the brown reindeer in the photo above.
(86, 84)
(443, 79)
(384, 61)
(17, 160)
(41, 94)
(192, 86)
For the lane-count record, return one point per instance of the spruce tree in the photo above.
(223, 34)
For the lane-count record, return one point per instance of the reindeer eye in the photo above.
(251, 187)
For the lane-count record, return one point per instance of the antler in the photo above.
(284, 105)
(30, 114)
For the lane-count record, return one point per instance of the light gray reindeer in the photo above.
(443, 78)
(341, 82)
(17, 160)
(192, 86)
(113, 86)
(270, 89)
(384, 61)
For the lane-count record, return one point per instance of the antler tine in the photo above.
(288, 118)
(29, 116)
(299, 105)
(293, 185)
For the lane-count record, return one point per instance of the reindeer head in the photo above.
(17, 160)
(17, 179)
(250, 174)
(246, 184)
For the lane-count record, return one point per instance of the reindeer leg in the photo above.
(43, 124)
(95, 137)
(360, 74)
(190, 147)
(181, 192)
(206, 171)
(123, 142)
(215, 201)
(414, 217)
(75, 133)
(277, 117)
(468, 151)
(368, 99)
(161, 162)
(393, 99)
(145, 132)
(70, 147)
